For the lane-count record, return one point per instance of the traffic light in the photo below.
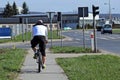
(20, 20)
(95, 10)
(59, 16)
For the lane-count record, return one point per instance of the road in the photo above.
(107, 42)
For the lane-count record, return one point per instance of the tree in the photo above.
(15, 10)
(8, 11)
(25, 8)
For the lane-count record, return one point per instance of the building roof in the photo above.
(30, 15)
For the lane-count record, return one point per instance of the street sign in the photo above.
(50, 15)
(83, 11)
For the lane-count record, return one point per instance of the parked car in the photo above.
(67, 28)
(107, 28)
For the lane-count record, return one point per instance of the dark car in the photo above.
(99, 28)
(107, 28)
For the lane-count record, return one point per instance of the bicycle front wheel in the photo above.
(39, 64)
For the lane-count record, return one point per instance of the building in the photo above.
(88, 20)
(69, 19)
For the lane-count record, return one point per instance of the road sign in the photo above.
(83, 11)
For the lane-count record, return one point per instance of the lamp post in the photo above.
(109, 4)
(50, 16)
(110, 10)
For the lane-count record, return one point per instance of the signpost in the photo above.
(50, 16)
(83, 12)
(21, 21)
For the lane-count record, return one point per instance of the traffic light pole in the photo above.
(59, 19)
(61, 32)
(94, 32)
(95, 12)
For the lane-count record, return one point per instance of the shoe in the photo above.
(35, 56)
(43, 66)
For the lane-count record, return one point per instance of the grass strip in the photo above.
(116, 31)
(70, 49)
(94, 67)
(27, 37)
(10, 63)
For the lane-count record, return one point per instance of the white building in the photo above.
(88, 20)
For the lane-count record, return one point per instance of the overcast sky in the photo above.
(66, 5)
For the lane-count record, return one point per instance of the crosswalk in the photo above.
(109, 37)
(102, 37)
(78, 36)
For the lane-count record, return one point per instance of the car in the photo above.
(67, 28)
(99, 28)
(106, 28)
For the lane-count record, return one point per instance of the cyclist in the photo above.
(40, 33)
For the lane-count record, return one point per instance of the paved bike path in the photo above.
(52, 71)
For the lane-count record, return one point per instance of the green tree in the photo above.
(15, 10)
(8, 11)
(25, 8)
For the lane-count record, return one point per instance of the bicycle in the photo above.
(39, 60)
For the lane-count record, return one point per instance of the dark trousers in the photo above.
(41, 41)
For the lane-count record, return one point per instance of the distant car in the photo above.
(107, 28)
(67, 28)
(99, 28)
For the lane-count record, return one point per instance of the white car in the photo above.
(107, 28)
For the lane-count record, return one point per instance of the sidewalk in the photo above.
(52, 71)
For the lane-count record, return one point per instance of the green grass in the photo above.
(54, 35)
(18, 38)
(116, 31)
(102, 67)
(27, 37)
(70, 49)
(10, 63)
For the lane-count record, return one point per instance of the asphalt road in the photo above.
(107, 42)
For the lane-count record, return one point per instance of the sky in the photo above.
(66, 5)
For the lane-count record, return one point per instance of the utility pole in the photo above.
(110, 10)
